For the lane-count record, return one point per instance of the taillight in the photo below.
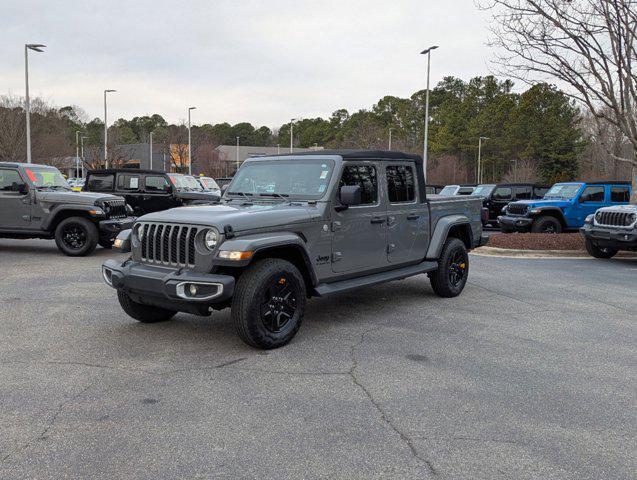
(485, 214)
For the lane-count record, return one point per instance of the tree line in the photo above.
(539, 134)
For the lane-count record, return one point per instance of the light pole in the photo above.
(77, 152)
(425, 148)
(36, 47)
(278, 148)
(106, 129)
(82, 153)
(189, 144)
(151, 150)
(390, 130)
(515, 170)
(479, 180)
(237, 154)
(292, 134)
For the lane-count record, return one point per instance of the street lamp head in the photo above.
(484, 138)
(109, 91)
(192, 108)
(35, 46)
(427, 50)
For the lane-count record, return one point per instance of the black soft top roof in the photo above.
(126, 170)
(382, 155)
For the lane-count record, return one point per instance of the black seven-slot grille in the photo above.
(115, 208)
(166, 244)
(615, 219)
(516, 209)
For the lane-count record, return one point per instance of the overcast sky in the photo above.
(258, 61)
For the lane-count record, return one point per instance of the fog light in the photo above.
(192, 289)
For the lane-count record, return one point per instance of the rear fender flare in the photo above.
(441, 232)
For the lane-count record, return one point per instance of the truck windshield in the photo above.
(46, 177)
(300, 178)
(449, 190)
(483, 190)
(185, 182)
(562, 190)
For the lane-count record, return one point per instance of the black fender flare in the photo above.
(58, 210)
(549, 211)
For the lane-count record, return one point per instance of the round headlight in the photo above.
(211, 239)
(631, 218)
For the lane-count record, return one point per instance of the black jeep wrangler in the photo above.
(497, 196)
(148, 191)
(36, 202)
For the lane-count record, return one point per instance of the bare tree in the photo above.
(12, 129)
(588, 45)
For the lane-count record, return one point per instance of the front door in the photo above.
(407, 217)
(591, 198)
(157, 194)
(359, 233)
(15, 204)
(129, 186)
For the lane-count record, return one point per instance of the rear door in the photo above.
(359, 233)
(407, 218)
(129, 186)
(15, 207)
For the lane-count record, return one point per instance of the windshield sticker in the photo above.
(134, 182)
(324, 174)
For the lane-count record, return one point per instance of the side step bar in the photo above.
(323, 289)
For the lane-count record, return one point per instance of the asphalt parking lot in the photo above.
(530, 373)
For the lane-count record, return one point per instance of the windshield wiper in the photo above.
(275, 195)
(243, 194)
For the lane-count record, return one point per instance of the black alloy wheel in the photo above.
(279, 303)
(457, 267)
(74, 236)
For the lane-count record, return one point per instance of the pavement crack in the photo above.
(381, 411)
(50, 424)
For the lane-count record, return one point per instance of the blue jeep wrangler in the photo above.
(564, 207)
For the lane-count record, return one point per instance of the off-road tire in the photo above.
(541, 224)
(87, 229)
(143, 313)
(440, 278)
(107, 244)
(599, 252)
(252, 288)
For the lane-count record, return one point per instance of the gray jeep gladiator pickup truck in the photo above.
(36, 202)
(290, 227)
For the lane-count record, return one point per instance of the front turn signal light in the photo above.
(234, 255)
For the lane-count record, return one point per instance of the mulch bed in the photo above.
(537, 241)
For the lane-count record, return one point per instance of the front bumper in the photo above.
(109, 229)
(167, 287)
(520, 224)
(616, 238)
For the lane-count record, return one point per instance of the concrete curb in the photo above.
(513, 253)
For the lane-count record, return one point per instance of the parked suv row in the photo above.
(497, 196)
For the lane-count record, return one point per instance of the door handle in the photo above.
(378, 220)
(413, 216)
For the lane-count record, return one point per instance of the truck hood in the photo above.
(620, 208)
(71, 197)
(186, 195)
(543, 203)
(239, 217)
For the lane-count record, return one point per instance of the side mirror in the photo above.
(21, 188)
(351, 195)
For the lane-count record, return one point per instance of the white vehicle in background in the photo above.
(209, 185)
(453, 190)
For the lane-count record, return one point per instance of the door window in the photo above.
(99, 182)
(540, 191)
(593, 194)
(502, 193)
(400, 184)
(10, 181)
(522, 193)
(156, 183)
(128, 182)
(620, 194)
(365, 177)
